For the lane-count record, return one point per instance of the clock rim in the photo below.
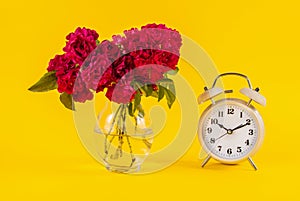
(258, 120)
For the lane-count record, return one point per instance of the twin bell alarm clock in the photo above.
(231, 130)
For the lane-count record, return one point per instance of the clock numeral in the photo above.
(250, 132)
(241, 114)
(209, 130)
(212, 140)
(248, 121)
(220, 114)
(239, 149)
(219, 147)
(214, 121)
(247, 142)
(230, 111)
(229, 151)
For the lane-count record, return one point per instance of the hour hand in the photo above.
(241, 126)
(221, 126)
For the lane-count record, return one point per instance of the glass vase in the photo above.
(127, 139)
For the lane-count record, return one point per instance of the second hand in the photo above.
(221, 136)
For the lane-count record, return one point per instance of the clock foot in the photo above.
(205, 161)
(252, 163)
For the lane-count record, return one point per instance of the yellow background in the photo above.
(41, 156)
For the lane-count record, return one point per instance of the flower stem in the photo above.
(119, 121)
(109, 132)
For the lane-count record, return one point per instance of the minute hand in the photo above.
(241, 126)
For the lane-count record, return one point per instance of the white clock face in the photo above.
(230, 130)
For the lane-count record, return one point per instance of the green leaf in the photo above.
(161, 92)
(136, 85)
(171, 87)
(173, 72)
(137, 100)
(46, 83)
(165, 81)
(147, 89)
(130, 109)
(154, 94)
(167, 88)
(66, 100)
(170, 97)
(141, 111)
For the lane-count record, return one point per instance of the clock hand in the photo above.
(221, 136)
(241, 126)
(221, 126)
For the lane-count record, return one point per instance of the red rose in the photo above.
(66, 73)
(109, 49)
(97, 63)
(106, 80)
(142, 57)
(150, 74)
(163, 38)
(134, 40)
(122, 66)
(118, 40)
(166, 59)
(81, 43)
(56, 62)
(65, 80)
(81, 93)
(120, 93)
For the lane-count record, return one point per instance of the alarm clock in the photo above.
(231, 129)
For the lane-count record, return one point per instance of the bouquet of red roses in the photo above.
(126, 68)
